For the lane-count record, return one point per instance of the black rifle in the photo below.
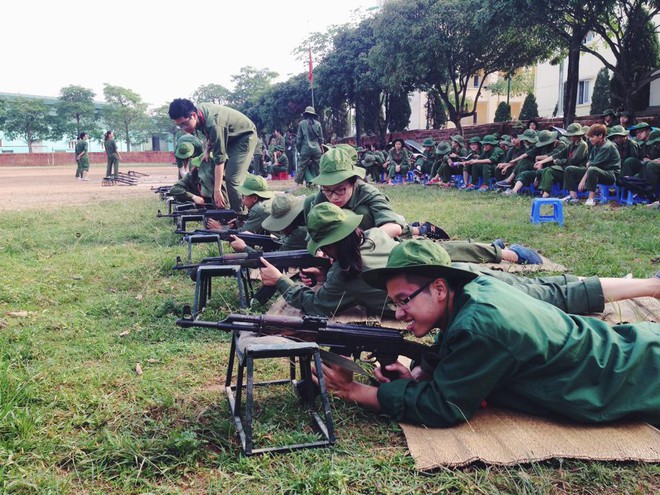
(384, 344)
(223, 215)
(265, 242)
(282, 260)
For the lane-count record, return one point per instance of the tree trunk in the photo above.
(572, 79)
(358, 124)
(128, 140)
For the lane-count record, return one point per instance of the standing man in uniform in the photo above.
(308, 144)
(112, 153)
(82, 158)
(230, 136)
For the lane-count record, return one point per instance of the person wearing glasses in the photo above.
(231, 139)
(499, 346)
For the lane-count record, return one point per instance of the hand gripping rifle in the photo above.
(282, 260)
(383, 344)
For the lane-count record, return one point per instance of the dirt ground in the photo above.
(24, 188)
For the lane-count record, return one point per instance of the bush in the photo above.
(503, 112)
(530, 109)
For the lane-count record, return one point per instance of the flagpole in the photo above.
(311, 74)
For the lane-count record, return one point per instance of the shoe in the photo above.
(471, 187)
(433, 232)
(483, 189)
(84, 178)
(390, 183)
(503, 184)
(508, 192)
(565, 199)
(434, 181)
(526, 256)
(498, 243)
(589, 202)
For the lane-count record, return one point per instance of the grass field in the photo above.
(87, 294)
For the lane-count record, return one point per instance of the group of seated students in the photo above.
(504, 339)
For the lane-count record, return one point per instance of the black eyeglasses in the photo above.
(339, 191)
(403, 303)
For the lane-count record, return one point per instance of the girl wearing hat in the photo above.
(522, 162)
(112, 154)
(308, 144)
(450, 161)
(484, 166)
(398, 161)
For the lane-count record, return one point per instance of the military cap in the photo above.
(443, 148)
(546, 137)
(184, 150)
(529, 135)
(574, 129)
(283, 210)
(616, 130)
(328, 223)
(255, 184)
(428, 142)
(309, 111)
(336, 166)
(490, 139)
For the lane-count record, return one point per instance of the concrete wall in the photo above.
(60, 158)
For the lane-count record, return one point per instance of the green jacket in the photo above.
(81, 147)
(199, 182)
(110, 148)
(220, 126)
(496, 155)
(257, 214)
(630, 149)
(572, 155)
(539, 360)
(606, 157)
(309, 138)
(401, 158)
(366, 200)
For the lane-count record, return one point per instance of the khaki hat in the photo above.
(459, 139)
(490, 139)
(184, 150)
(546, 137)
(255, 184)
(443, 148)
(336, 166)
(616, 130)
(574, 129)
(417, 257)
(654, 137)
(585, 128)
(309, 111)
(283, 210)
(428, 142)
(328, 223)
(529, 135)
(349, 150)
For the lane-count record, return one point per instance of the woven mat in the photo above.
(505, 437)
(546, 266)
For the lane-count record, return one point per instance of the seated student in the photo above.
(373, 161)
(521, 163)
(287, 220)
(256, 197)
(575, 154)
(603, 167)
(398, 161)
(504, 347)
(280, 162)
(189, 153)
(609, 118)
(627, 120)
(444, 168)
(342, 184)
(649, 172)
(483, 166)
(630, 151)
(547, 146)
(474, 143)
(425, 163)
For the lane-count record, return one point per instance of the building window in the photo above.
(589, 37)
(584, 95)
(475, 81)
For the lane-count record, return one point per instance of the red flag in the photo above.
(310, 76)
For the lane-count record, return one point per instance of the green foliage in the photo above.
(248, 86)
(399, 111)
(27, 119)
(600, 101)
(212, 93)
(530, 109)
(436, 114)
(503, 112)
(521, 83)
(76, 111)
(125, 114)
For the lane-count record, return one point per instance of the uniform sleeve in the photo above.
(218, 137)
(460, 382)
(382, 212)
(255, 218)
(181, 190)
(607, 158)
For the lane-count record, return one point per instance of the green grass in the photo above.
(100, 297)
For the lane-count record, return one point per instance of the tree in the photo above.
(436, 115)
(530, 109)
(503, 112)
(600, 101)
(446, 44)
(161, 125)
(521, 83)
(399, 106)
(126, 112)
(27, 119)
(212, 93)
(76, 112)
(249, 85)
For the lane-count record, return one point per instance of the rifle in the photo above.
(384, 344)
(282, 260)
(265, 242)
(222, 215)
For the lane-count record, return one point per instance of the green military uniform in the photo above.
(281, 164)
(485, 170)
(199, 182)
(189, 147)
(573, 155)
(400, 159)
(83, 161)
(540, 361)
(112, 155)
(232, 139)
(257, 214)
(604, 167)
(547, 145)
(449, 165)
(631, 152)
(308, 144)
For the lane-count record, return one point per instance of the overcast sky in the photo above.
(160, 50)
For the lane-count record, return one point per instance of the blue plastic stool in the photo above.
(632, 198)
(557, 211)
(605, 195)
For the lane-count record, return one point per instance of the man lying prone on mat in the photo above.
(504, 347)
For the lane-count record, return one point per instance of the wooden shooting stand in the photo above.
(244, 351)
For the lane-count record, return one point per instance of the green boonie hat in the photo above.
(517, 125)
(475, 139)
(428, 142)
(443, 148)
(309, 111)
(335, 167)
(255, 184)
(565, 139)
(616, 130)
(279, 147)
(654, 137)
(349, 150)
(574, 129)
(459, 139)
(640, 126)
(368, 160)
(360, 149)
(546, 137)
(490, 139)
(184, 150)
(417, 257)
(506, 140)
(283, 210)
(328, 223)
(529, 135)
(609, 111)
(585, 128)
